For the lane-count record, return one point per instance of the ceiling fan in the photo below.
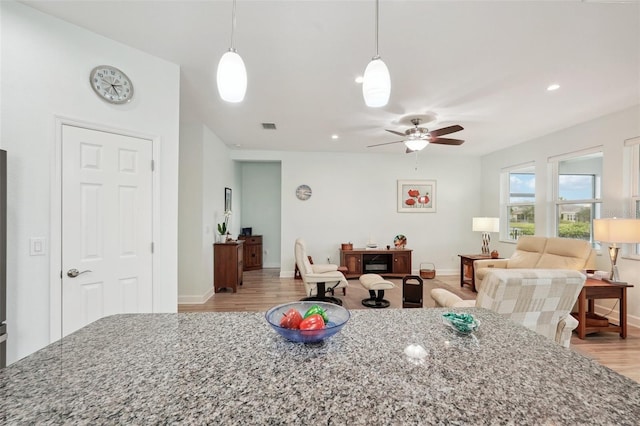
(417, 138)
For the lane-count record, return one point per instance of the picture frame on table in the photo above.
(227, 199)
(416, 196)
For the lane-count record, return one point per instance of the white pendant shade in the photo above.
(376, 85)
(416, 144)
(232, 77)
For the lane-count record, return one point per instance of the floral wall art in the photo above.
(416, 196)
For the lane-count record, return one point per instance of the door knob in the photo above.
(72, 273)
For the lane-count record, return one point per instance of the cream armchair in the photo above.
(539, 299)
(318, 279)
(541, 253)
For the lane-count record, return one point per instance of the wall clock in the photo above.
(111, 84)
(303, 192)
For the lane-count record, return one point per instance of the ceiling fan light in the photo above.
(231, 77)
(416, 144)
(376, 85)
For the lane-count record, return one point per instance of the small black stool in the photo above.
(412, 291)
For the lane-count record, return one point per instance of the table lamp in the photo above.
(616, 231)
(486, 225)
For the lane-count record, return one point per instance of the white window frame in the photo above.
(555, 182)
(633, 144)
(505, 197)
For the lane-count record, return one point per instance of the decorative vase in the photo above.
(495, 254)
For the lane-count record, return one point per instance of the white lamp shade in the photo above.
(616, 230)
(376, 84)
(486, 224)
(416, 144)
(231, 77)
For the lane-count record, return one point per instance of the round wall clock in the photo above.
(111, 84)
(303, 192)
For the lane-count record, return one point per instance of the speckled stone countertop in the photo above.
(232, 368)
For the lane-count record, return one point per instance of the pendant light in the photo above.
(232, 74)
(376, 85)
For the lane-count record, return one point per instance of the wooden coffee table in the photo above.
(597, 289)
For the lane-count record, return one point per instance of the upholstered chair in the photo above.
(318, 279)
(539, 299)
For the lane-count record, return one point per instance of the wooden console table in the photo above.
(467, 273)
(597, 289)
(391, 263)
(252, 251)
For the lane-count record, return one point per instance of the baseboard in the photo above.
(614, 316)
(443, 272)
(195, 300)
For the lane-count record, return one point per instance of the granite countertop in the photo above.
(231, 368)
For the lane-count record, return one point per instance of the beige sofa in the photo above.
(541, 253)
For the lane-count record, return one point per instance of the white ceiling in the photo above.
(482, 64)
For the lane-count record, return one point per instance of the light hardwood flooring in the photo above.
(264, 288)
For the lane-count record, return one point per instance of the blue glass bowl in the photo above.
(338, 317)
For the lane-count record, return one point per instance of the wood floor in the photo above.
(264, 288)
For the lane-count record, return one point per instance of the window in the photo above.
(633, 144)
(577, 195)
(519, 194)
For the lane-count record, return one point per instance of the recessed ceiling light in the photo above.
(334, 136)
(553, 87)
(359, 79)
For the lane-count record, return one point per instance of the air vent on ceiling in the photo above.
(269, 126)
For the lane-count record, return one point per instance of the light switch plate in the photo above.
(37, 246)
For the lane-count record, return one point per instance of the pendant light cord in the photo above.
(377, 19)
(233, 24)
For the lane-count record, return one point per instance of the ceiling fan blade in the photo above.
(447, 141)
(386, 143)
(409, 151)
(446, 130)
(396, 133)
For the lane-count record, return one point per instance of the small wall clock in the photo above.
(303, 192)
(111, 84)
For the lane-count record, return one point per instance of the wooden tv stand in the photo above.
(391, 263)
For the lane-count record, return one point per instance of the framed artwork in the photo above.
(416, 196)
(227, 199)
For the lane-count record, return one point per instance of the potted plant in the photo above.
(223, 228)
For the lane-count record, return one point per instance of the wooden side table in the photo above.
(467, 273)
(597, 289)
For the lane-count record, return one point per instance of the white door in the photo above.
(106, 226)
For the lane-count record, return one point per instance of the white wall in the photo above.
(190, 231)
(354, 198)
(261, 193)
(45, 74)
(609, 132)
(205, 170)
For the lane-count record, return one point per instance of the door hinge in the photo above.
(153, 165)
(152, 247)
